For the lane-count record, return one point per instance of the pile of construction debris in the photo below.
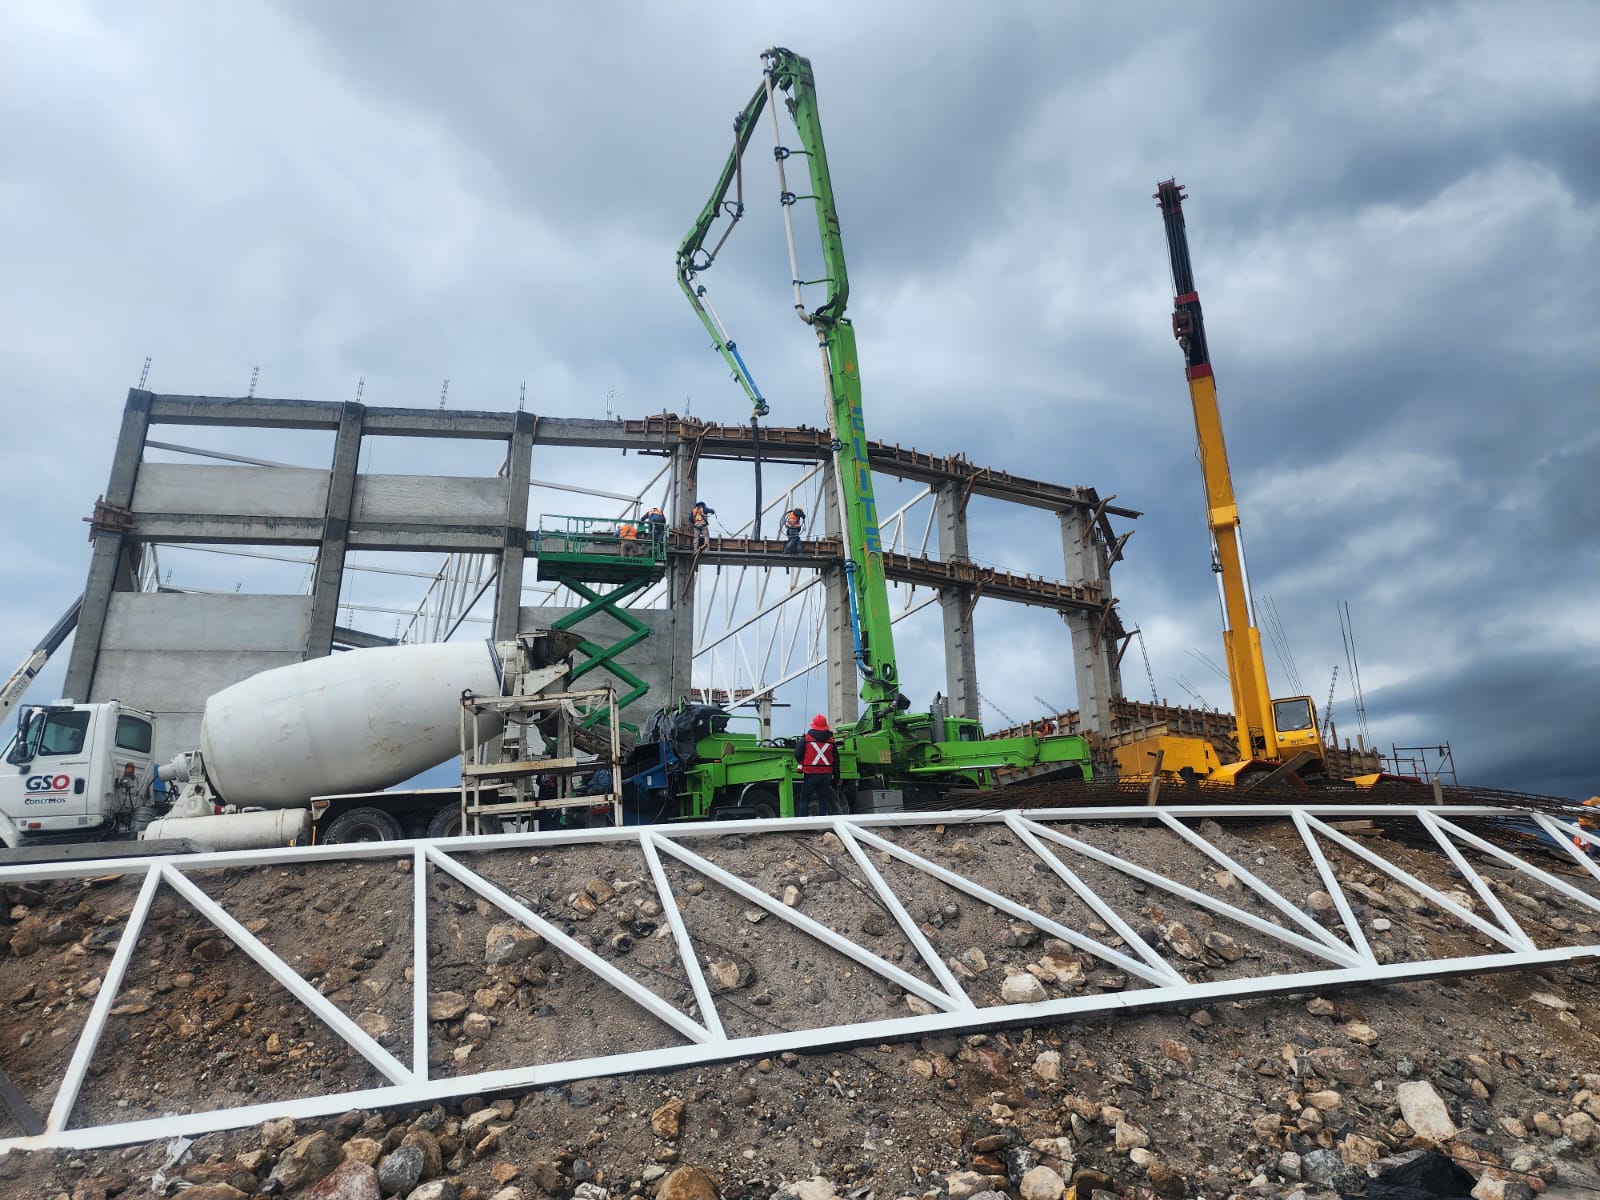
(1307, 1095)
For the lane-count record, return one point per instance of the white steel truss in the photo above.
(1063, 842)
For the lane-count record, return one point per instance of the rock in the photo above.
(275, 1135)
(1140, 1157)
(1222, 945)
(589, 1191)
(432, 1156)
(689, 1183)
(506, 944)
(446, 1006)
(1323, 910)
(1289, 1165)
(791, 896)
(1022, 989)
(1357, 1150)
(1382, 925)
(1130, 1136)
(1042, 1183)
(1425, 1112)
(666, 1122)
(1321, 1167)
(968, 1185)
(1167, 1179)
(437, 1189)
(215, 1191)
(1048, 1065)
(375, 1025)
(1201, 1019)
(1338, 1065)
(1496, 1185)
(1177, 1051)
(815, 1188)
(401, 1170)
(975, 959)
(599, 890)
(350, 1180)
(726, 974)
(305, 1162)
(1547, 1124)
(547, 1177)
(1360, 1031)
(1581, 1128)
(1183, 942)
(1550, 1000)
(364, 1150)
(1225, 881)
(1326, 1101)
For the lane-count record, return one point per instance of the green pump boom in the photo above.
(788, 73)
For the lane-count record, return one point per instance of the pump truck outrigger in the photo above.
(689, 764)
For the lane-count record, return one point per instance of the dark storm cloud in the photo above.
(1392, 217)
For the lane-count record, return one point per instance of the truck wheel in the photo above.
(763, 803)
(363, 825)
(446, 822)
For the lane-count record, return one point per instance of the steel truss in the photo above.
(1059, 841)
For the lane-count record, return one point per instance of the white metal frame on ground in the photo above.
(947, 1004)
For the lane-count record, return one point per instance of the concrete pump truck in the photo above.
(691, 764)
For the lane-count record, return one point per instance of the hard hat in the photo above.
(819, 722)
(800, 510)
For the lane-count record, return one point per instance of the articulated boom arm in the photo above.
(1247, 672)
(790, 74)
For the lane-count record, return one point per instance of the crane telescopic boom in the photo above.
(1265, 729)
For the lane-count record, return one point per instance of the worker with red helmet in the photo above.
(818, 756)
(793, 521)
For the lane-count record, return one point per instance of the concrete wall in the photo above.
(231, 491)
(168, 652)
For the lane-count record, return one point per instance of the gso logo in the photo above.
(48, 783)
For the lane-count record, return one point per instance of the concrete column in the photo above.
(960, 646)
(680, 581)
(844, 689)
(508, 583)
(108, 566)
(335, 531)
(1094, 661)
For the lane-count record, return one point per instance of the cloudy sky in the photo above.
(1392, 218)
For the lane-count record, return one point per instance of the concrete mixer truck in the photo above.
(288, 755)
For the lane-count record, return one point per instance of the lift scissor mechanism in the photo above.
(909, 924)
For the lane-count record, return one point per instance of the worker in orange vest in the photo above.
(818, 756)
(629, 534)
(700, 517)
(793, 521)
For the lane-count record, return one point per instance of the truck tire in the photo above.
(762, 802)
(446, 822)
(363, 825)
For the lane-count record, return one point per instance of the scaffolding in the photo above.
(526, 755)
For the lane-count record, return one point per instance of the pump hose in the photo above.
(755, 444)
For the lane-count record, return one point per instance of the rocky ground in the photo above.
(1261, 1097)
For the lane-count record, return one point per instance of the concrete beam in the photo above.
(514, 542)
(679, 632)
(956, 604)
(335, 532)
(108, 554)
(258, 412)
(231, 491)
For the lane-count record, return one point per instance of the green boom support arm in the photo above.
(790, 74)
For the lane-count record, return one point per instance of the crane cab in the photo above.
(1294, 721)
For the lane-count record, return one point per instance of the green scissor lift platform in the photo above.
(584, 554)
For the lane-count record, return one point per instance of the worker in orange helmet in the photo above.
(793, 521)
(818, 756)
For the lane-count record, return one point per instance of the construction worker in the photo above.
(700, 517)
(656, 521)
(628, 533)
(818, 756)
(793, 521)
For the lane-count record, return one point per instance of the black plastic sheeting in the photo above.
(1430, 1176)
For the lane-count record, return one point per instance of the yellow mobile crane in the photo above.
(1276, 739)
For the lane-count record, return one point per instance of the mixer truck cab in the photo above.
(74, 771)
